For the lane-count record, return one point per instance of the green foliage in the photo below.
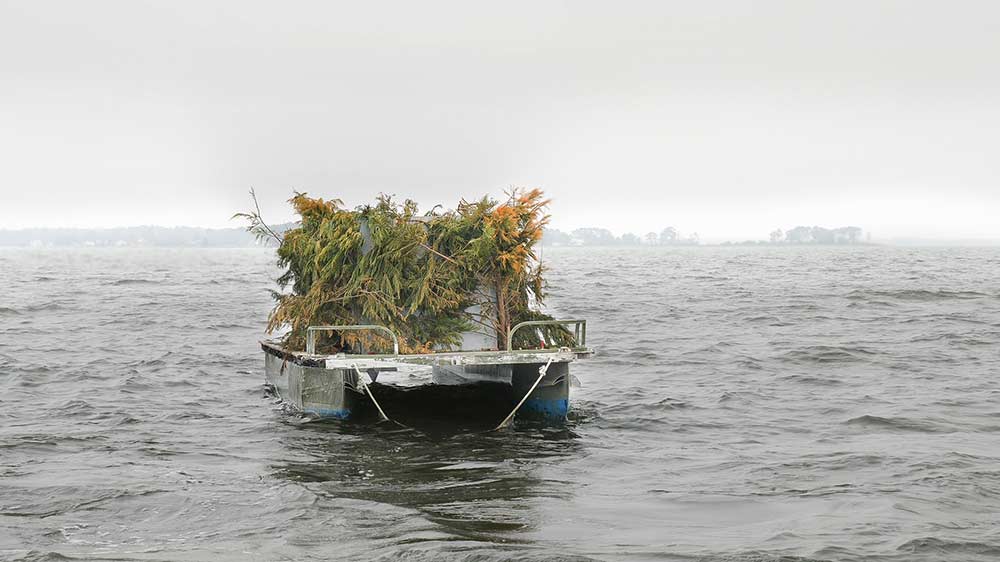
(416, 274)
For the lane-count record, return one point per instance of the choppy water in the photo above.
(746, 405)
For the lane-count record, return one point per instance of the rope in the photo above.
(541, 374)
(364, 386)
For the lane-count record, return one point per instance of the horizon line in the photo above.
(706, 239)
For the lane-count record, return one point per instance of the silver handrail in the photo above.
(311, 334)
(580, 330)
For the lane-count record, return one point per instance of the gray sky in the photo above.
(726, 118)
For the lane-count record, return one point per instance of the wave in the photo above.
(899, 424)
(767, 318)
(7, 311)
(916, 295)
(936, 546)
(122, 282)
(812, 379)
(825, 354)
(989, 338)
(59, 500)
(230, 326)
(40, 556)
(671, 404)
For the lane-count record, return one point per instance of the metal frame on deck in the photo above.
(311, 334)
(579, 330)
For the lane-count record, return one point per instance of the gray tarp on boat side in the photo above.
(327, 385)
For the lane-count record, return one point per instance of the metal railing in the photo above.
(579, 330)
(311, 334)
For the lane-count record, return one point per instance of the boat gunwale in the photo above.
(487, 357)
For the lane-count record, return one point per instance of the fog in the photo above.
(725, 118)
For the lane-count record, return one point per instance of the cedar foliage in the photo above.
(415, 274)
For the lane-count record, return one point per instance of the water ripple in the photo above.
(746, 404)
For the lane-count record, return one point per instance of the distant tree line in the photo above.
(669, 236)
(815, 235)
(819, 235)
(182, 236)
(238, 237)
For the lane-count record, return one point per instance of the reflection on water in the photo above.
(477, 486)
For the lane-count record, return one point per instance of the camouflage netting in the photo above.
(417, 274)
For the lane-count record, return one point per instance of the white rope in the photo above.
(541, 374)
(364, 386)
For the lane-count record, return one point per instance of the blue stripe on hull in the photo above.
(554, 409)
(341, 414)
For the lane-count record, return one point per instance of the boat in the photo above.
(530, 383)
(389, 312)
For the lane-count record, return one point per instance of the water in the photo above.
(747, 404)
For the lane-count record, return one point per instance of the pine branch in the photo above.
(257, 226)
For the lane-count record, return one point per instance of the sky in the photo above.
(728, 119)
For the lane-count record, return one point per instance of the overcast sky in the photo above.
(725, 118)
